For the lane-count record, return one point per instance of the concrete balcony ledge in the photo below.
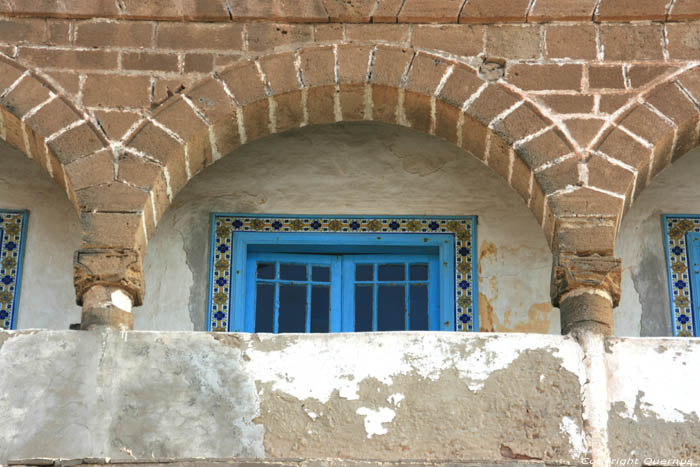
(438, 397)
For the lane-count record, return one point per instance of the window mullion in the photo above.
(276, 326)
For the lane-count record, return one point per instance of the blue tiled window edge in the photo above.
(13, 231)
(225, 251)
(684, 306)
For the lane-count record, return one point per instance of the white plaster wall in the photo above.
(364, 168)
(644, 308)
(47, 298)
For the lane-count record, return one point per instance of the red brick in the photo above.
(69, 59)
(684, 10)
(29, 93)
(117, 91)
(114, 196)
(265, 36)
(9, 73)
(226, 136)
(390, 63)
(545, 148)
(165, 88)
(674, 104)
(430, 11)
(583, 130)
(577, 42)
(320, 105)
(492, 101)
(169, 152)
(99, 230)
(15, 31)
(683, 40)
(426, 73)
(318, 66)
(387, 11)
(283, 10)
(608, 176)
(110, 34)
(460, 86)
(181, 119)
(463, 40)
(329, 32)
(352, 102)
(632, 42)
(446, 119)
(211, 100)
(289, 111)
(513, 41)
(199, 63)
(200, 10)
(353, 62)
(569, 104)
(53, 116)
(245, 82)
(558, 176)
(605, 77)
(611, 103)
(585, 201)
(499, 156)
(619, 145)
(138, 171)
(65, 9)
(281, 73)
(520, 177)
(630, 10)
(114, 123)
(149, 61)
(68, 82)
(562, 10)
(639, 75)
(181, 36)
(257, 119)
(95, 169)
(355, 11)
(76, 143)
(542, 77)
(385, 101)
(474, 134)
(494, 11)
(645, 123)
(523, 121)
(377, 32)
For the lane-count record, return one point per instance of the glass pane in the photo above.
(292, 272)
(391, 313)
(265, 307)
(418, 272)
(364, 296)
(364, 272)
(320, 308)
(418, 301)
(392, 272)
(321, 274)
(292, 317)
(266, 270)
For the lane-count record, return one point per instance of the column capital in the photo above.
(119, 268)
(572, 273)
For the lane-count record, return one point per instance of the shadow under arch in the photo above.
(328, 84)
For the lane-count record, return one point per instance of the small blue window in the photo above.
(13, 226)
(682, 245)
(316, 275)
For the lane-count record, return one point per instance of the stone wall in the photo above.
(391, 396)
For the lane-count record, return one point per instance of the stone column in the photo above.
(108, 283)
(586, 289)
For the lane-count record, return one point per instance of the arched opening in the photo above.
(362, 168)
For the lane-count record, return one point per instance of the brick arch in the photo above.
(328, 84)
(659, 127)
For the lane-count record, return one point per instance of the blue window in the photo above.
(292, 274)
(13, 226)
(682, 245)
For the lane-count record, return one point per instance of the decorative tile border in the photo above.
(13, 225)
(225, 226)
(676, 229)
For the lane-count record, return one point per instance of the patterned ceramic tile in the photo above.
(12, 235)
(676, 229)
(225, 226)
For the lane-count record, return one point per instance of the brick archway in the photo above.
(319, 85)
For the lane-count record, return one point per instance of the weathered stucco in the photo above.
(389, 395)
(644, 307)
(47, 298)
(365, 168)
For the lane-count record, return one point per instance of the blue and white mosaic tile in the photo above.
(683, 310)
(12, 239)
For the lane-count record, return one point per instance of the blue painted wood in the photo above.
(693, 244)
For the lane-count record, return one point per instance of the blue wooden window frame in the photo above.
(682, 245)
(235, 237)
(13, 234)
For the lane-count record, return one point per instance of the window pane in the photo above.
(418, 272)
(321, 274)
(266, 270)
(364, 296)
(320, 308)
(265, 307)
(292, 317)
(392, 272)
(391, 313)
(364, 272)
(419, 308)
(292, 272)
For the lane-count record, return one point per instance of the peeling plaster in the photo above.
(375, 419)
